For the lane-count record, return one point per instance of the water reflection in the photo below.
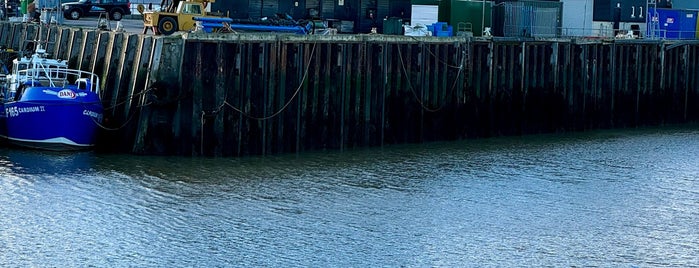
(39, 163)
(625, 198)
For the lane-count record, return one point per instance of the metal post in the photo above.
(483, 18)
(652, 20)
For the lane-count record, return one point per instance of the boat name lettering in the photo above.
(66, 94)
(92, 114)
(16, 111)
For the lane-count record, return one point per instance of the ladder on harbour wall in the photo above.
(467, 62)
(49, 16)
(103, 22)
(653, 20)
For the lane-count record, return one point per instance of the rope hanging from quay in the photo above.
(275, 114)
(451, 90)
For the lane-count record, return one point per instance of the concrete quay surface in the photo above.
(131, 23)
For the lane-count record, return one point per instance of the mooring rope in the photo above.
(201, 134)
(412, 89)
(128, 98)
(437, 57)
(286, 105)
(128, 120)
(233, 107)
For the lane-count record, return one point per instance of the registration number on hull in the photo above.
(16, 111)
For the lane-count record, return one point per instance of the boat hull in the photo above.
(53, 123)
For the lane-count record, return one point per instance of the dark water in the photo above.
(625, 198)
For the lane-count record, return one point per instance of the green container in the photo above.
(425, 2)
(467, 16)
(23, 6)
(393, 26)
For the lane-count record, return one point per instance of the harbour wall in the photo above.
(252, 94)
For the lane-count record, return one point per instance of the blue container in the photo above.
(448, 32)
(441, 29)
(675, 24)
(440, 26)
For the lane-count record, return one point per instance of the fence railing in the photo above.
(596, 32)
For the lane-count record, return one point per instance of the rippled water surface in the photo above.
(625, 198)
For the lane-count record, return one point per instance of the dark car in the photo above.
(115, 8)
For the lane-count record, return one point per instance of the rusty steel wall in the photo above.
(268, 94)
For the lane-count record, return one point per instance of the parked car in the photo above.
(83, 8)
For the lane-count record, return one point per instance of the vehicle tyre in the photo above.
(116, 14)
(74, 14)
(167, 26)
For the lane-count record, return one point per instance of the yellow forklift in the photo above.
(176, 19)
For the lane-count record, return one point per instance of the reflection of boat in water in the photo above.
(47, 105)
(23, 162)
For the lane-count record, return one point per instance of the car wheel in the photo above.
(117, 14)
(74, 14)
(167, 26)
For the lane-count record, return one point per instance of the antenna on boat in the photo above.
(40, 44)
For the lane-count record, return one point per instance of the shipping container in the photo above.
(313, 9)
(602, 10)
(675, 24)
(348, 16)
(238, 9)
(264, 8)
(527, 19)
(467, 15)
(400, 9)
(502, 1)
(327, 9)
(628, 10)
(577, 18)
(685, 4)
(295, 8)
(425, 2)
(254, 9)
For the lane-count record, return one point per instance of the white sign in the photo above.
(16, 111)
(424, 15)
(66, 94)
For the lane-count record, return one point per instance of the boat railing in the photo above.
(61, 77)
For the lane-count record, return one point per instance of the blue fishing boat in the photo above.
(46, 105)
